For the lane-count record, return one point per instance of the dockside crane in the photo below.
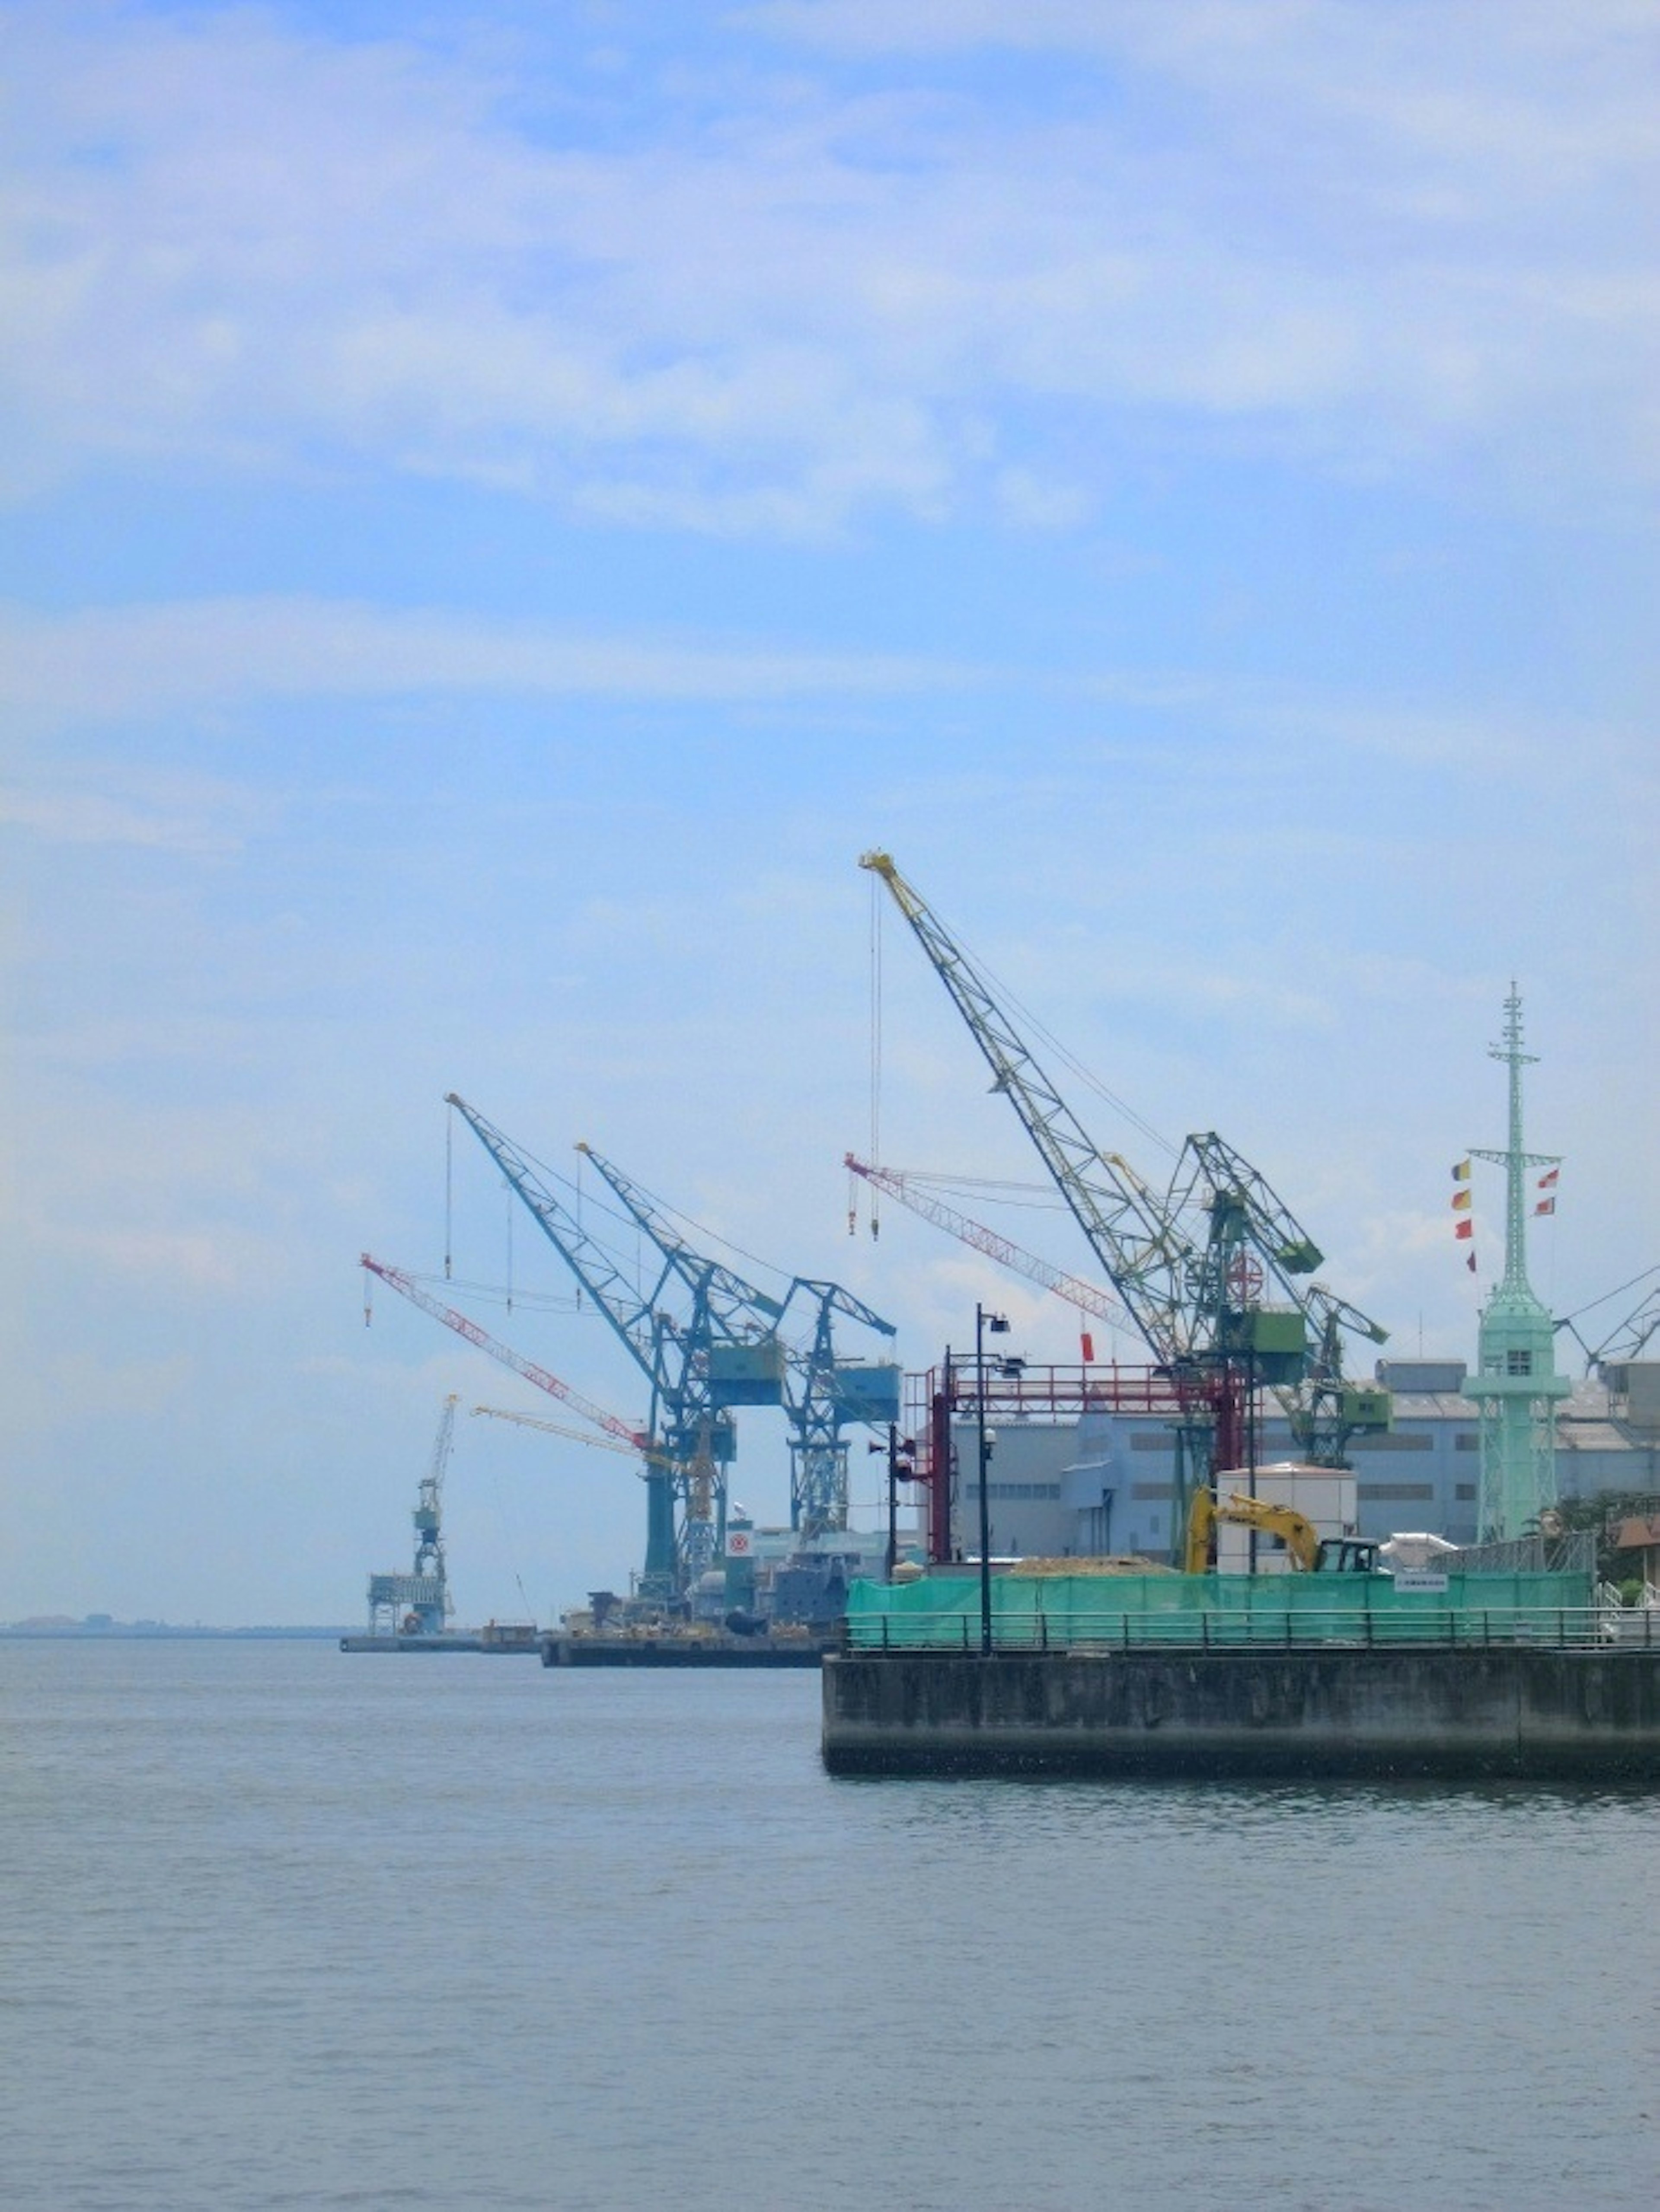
(1628, 1338)
(708, 1341)
(669, 1326)
(616, 1431)
(821, 1394)
(1195, 1266)
(1088, 1298)
(704, 1339)
(419, 1603)
(567, 1429)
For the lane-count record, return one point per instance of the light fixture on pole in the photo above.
(998, 1325)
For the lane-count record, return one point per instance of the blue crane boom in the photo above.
(819, 1393)
(686, 1500)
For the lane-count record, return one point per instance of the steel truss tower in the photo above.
(1516, 1387)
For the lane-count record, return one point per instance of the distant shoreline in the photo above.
(143, 1632)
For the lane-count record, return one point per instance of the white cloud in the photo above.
(205, 819)
(1406, 233)
(110, 664)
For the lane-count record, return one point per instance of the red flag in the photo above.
(1546, 1206)
(1464, 1229)
(1088, 1343)
(1548, 1182)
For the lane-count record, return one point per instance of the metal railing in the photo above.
(1457, 1628)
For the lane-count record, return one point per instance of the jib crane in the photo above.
(556, 1429)
(418, 1604)
(685, 1423)
(821, 1394)
(616, 1430)
(1088, 1298)
(721, 1349)
(1192, 1265)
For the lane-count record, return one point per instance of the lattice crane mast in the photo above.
(820, 1394)
(419, 1603)
(1088, 1298)
(629, 1439)
(1191, 1265)
(1628, 1338)
(429, 1514)
(690, 1421)
(564, 1429)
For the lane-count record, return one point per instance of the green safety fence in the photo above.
(1078, 1612)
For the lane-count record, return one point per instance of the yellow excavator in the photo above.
(1309, 1555)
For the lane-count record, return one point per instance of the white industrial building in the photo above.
(1104, 1482)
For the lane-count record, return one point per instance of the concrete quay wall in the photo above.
(1569, 1714)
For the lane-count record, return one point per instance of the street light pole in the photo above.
(998, 1325)
(902, 1468)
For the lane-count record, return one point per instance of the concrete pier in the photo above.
(1589, 1715)
(741, 1652)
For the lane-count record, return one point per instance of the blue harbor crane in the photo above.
(1214, 1273)
(821, 1394)
(707, 1341)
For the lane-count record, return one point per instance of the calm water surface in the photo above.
(283, 1928)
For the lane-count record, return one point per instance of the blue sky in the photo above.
(502, 505)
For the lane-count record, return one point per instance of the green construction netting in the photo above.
(1064, 1611)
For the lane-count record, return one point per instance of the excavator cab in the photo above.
(1349, 1555)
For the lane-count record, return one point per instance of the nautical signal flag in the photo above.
(1548, 1182)
(1461, 1199)
(1546, 1206)
(1464, 1229)
(1470, 1263)
(1462, 1172)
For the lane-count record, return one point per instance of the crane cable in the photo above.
(876, 907)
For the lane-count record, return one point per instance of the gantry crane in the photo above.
(1195, 1266)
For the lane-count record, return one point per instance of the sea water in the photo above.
(283, 1927)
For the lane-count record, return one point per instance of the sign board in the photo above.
(740, 1543)
(1420, 1578)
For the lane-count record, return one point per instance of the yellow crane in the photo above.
(632, 1450)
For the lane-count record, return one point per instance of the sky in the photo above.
(500, 506)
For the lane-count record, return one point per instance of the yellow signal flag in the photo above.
(1461, 1171)
(1461, 1198)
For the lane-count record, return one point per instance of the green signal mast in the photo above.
(1516, 1387)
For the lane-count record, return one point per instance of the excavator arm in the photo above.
(1294, 1529)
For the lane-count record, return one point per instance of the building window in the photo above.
(1394, 1493)
(1518, 1362)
